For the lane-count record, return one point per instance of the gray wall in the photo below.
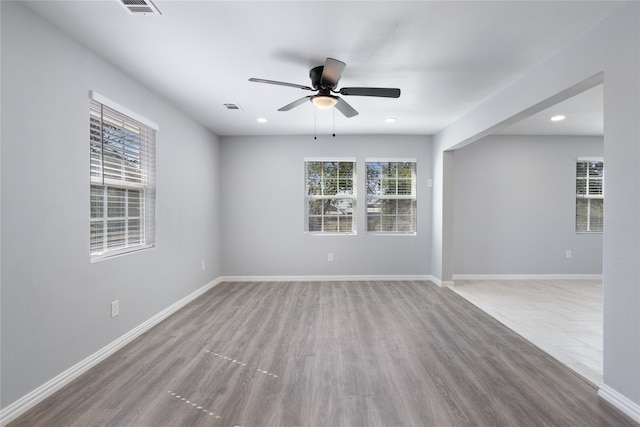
(514, 207)
(263, 212)
(55, 302)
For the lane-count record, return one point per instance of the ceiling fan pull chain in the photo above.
(334, 122)
(315, 124)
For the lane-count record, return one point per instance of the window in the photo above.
(391, 196)
(589, 194)
(331, 196)
(122, 180)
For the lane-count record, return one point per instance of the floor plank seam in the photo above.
(235, 362)
(240, 363)
(194, 405)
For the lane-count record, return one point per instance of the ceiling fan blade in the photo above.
(371, 91)
(346, 109)
(273, 82)
(331, 72)
(295, 103)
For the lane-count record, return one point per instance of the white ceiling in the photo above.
(445, 56)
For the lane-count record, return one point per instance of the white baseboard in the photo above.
(28, 401)
(442, 283)
(328, 278)
(527, 277)
(624, 404)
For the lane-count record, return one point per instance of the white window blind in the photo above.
(330, 196)
(391, 196)
(122, 159)
(589, 195)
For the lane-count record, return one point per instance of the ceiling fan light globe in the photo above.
(324, 102)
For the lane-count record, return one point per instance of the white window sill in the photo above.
(389, 233)
(119, 252)
(320, 233)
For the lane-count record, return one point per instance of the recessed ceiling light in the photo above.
(557, 118)
(390, 119)
(262, 120)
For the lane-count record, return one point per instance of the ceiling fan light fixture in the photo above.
(324, 81)
(324, 102)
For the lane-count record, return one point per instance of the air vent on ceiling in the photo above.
(232, 106)
(137, 7)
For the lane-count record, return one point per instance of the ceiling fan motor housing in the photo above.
(316, 78)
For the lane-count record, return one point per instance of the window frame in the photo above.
(413, 197)
(351, 198)
(119, 168)
(588, 195)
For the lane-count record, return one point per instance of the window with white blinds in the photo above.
(589, 195)
(391, 196)
(330, 196)
(122, 158)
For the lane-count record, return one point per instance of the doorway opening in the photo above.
(516, 252)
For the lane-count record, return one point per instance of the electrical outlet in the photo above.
(115, 308)
(568, 254)
(330, 257)
(203, 266)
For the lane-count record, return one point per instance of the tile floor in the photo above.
(562, 317)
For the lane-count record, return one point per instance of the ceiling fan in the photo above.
(324, 80)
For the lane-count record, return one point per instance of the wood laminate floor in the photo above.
(328, 354)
